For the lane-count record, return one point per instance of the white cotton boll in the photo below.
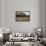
(39, 29)
(1, 35)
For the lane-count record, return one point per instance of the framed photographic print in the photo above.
(22, 15)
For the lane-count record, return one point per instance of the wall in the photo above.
(11, 6)
(44, 17)
(1, 14)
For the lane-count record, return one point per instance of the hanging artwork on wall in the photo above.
(22, 15)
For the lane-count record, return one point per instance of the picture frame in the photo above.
(22, 15)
